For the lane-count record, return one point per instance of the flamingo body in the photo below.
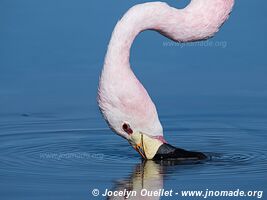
(121, 97)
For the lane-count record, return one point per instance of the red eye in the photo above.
(127, 128)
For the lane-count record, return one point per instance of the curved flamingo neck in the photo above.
(121, 97)
(137, 19)
(200, 20)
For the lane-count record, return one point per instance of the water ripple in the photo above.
(58, 151)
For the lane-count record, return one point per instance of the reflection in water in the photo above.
(34, 154)
(146, 180)
(146, 175)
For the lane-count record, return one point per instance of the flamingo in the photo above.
(146, 176)
(123, 101)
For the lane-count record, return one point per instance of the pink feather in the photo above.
(121, 97)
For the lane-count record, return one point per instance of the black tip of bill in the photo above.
(169, 152)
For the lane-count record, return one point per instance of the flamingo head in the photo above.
(130, 112)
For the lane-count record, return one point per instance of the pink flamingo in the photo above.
(123, 101)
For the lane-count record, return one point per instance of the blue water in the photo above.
(54, 143)
(46, 155)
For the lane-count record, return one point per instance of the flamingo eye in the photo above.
(126, 127)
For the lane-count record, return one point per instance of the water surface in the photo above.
(54, 143)
(44, 156)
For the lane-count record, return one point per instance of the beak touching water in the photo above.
(156, 149)
(140, 150)
(145, 145)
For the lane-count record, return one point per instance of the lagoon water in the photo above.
(50, 156)
(54, 143)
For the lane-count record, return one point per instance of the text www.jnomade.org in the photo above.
(184, 193)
